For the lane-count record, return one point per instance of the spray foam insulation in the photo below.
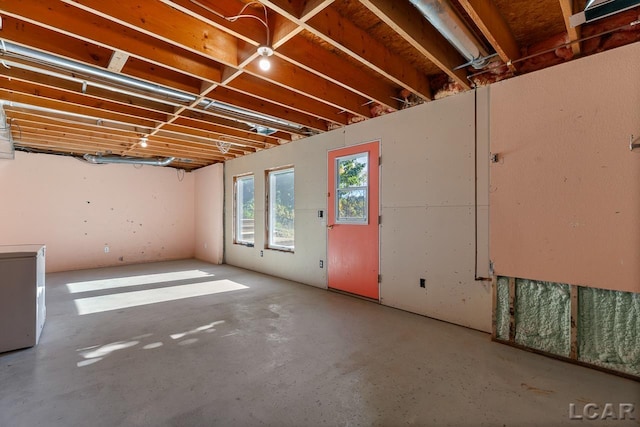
(502, 308)
(609, 329)
(543, 316)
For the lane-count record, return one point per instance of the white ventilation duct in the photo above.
(99, 160)
(598, 9)
(444, 18)
(7, 150)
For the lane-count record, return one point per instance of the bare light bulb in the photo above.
(264, 64)
(265, 52)
(143, 143)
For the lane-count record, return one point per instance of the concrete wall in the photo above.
(427, 204)
(209, 213)
(565, 204)
(78, 209)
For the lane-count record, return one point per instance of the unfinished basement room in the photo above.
(298, 213)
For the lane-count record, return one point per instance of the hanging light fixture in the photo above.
(143, 142)
(265, 51)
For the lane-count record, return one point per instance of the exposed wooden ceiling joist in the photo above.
(94, 76)
(488, 19)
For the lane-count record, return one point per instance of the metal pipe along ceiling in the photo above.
(444, 18)
(98, 160)
(130, 82)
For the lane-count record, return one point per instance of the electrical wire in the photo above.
(241, 14)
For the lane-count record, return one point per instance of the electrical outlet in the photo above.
(423, 283)
(321, 264)
(106, 249)
(205, 246)
(261, 254)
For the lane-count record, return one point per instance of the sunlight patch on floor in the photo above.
(147, 279)
(119, 301)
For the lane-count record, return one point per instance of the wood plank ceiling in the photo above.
(100, 77)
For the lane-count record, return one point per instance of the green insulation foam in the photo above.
(543, 316)
(502, 308)
(609, 329)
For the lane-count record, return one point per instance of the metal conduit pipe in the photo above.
(94, 71)
(135, 83)
(444, 18)
(99, 160)
(248, 115)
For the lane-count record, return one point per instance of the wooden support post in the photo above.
(512, 309)
(573, 353)
(494, 307)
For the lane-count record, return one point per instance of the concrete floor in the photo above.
(272, 353)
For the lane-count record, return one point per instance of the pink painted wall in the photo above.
(209, 213)
(77, 209)
(565, 195)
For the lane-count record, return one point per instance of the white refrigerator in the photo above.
(22, 296)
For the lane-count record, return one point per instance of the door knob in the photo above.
(329, 227)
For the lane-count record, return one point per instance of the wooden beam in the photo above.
(494, 307)
(69, 107)
(357, 43)
(310, 8)
(569, 7)
(71, 21)
(84, 147)
(57, 82)
(250, 138)
(269, 92)
(217, 120)
(287, 76)
(72, 121)
(249, 30)
(79, 99)
(182, 131)
(489, 20)
(573, 352)
(251, 103)
(512, 309)
(403, 18)
(160, 21)
(43, 39)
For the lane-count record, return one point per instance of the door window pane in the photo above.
(352, 192)
(281, 209)
(244, 231)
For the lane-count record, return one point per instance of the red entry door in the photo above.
(352, 220)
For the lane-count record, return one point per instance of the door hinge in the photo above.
(379, 278)
(380, 161)
(379, 219)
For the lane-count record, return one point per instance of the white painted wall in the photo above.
(76, 209)
(427, 203)
(209, 213)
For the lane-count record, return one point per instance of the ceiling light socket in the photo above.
(265, 51)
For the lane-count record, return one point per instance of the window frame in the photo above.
(237, 227)
(268, 216)
(337, 189)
